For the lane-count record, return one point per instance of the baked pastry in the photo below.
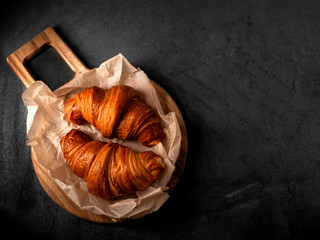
(110, 169)
(117, 112)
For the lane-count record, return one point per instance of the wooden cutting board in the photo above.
(17, 61)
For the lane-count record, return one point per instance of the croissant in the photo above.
(110, 169)
(116, 113)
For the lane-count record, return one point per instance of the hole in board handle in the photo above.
(49, 67)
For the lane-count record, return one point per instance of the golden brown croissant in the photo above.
(116, 113)
(110, 170)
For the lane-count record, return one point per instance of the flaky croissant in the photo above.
(110, 170)
(116, 113)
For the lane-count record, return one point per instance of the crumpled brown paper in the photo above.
(46, 124)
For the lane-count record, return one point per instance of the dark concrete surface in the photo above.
(246, 76)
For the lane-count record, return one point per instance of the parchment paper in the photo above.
(47, 124)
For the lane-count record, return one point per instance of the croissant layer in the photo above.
(110, 169)
(117, 112)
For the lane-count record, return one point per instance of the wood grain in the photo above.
(49, 37)
(17, 61)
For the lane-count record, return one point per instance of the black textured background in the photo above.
(246, 76)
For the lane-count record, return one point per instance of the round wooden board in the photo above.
(17, 61)
(56, 193)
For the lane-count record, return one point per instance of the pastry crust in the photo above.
(117, 112)
(110, 170)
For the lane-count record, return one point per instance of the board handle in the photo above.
(49, 37)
